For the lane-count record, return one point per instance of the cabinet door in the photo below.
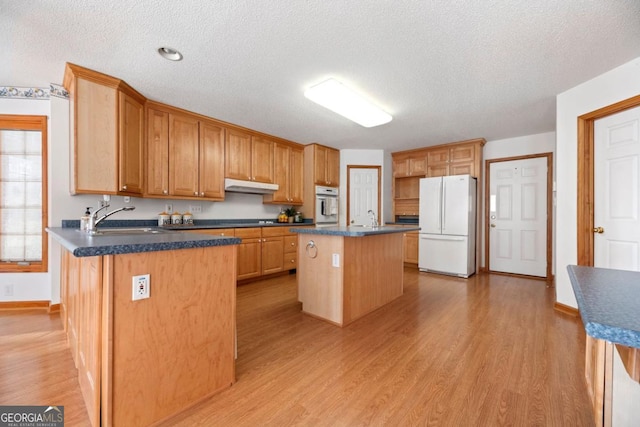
(238, 155)
(131, 140)
(411, 247)
(183, 155)
(462, 169)
(320, 165)
(261, 160)
(437, 156)
(333, 167)
(296, 178)
(438, 170)
(282, 173)
(463, 153)
(211, 182)
(95, 144)
(157, 152)
(249, 258)
(417, 166)
(272, 254)
(400, 167)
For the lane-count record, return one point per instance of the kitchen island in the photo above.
(609, 305)
(143, 361)
(345, 273)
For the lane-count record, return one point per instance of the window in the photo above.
(23, 193)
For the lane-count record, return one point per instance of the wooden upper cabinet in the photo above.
(108, 123)
(261, 159)
(248, 157)
(131, 156)
(238, 155)
(287, 167)
(326, 166)
(157, 152)
(183, 155)
(452, 160)
(211, 179)
(409, 166)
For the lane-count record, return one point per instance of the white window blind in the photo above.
(20, 196)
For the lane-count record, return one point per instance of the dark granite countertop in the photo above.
(81, 244)
(609, 303)
(198, 223)
(354, 231)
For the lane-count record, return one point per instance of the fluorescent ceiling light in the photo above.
(340, 99)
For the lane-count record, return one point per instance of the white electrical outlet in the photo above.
(127, 199)
(168, 208)
(335, 260)
(195, 209)
(141, 287)
(7, 291)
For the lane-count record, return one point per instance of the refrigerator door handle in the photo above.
(444, 205)
(440, 237)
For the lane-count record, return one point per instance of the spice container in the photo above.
(176, 218)
(164, 219)
(187, 218)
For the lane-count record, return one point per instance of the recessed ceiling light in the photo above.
(170, 53)
(340, 99)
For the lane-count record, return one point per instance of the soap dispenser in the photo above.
(84, 220)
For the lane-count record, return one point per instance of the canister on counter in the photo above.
(176, 218)
(164, 219)
(187, 218)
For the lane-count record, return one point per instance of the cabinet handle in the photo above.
(293, 260)
(165, 191)
(124, 187)
(202, 194)
(195, 193)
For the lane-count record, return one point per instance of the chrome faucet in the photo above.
(94, 220)
(374, 221)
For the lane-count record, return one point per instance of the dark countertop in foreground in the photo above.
(609, 303)
(82, 244)
(354, 231)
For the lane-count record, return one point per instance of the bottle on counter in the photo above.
(84, 220)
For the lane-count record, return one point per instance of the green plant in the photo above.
(291, 211)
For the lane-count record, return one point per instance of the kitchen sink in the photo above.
(127, 231)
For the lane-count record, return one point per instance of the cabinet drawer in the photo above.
(290, 244)
(248, 233)
(214, 231)
(290, 260)
(273, 231)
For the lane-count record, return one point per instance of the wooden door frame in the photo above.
(349, 167)
(585, 190)
(549, 157)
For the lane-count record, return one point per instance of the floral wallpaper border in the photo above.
(12, 92)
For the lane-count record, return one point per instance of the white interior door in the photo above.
(363, 195)
(518, 216)
(616, 191)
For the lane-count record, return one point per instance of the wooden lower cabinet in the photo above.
(142, 362)
(272, 250)
(249, 252)
(411, 248)
(290, 256)
(599, 378)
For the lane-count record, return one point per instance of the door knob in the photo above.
(598, 230)
(493, 226)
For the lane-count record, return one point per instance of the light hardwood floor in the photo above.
(486, 351)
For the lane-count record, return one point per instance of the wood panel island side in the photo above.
(144, 361)
(345, 273)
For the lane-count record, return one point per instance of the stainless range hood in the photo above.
(252, 187)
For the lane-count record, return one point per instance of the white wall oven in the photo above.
(326, 206)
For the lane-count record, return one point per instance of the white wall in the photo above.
(613, 86)
(359, 158)
(514, 147)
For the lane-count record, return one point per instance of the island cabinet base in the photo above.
(152, 358)
(341, 279)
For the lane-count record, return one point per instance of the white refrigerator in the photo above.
(447, 237)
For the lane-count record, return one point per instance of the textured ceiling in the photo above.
(446, 70)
